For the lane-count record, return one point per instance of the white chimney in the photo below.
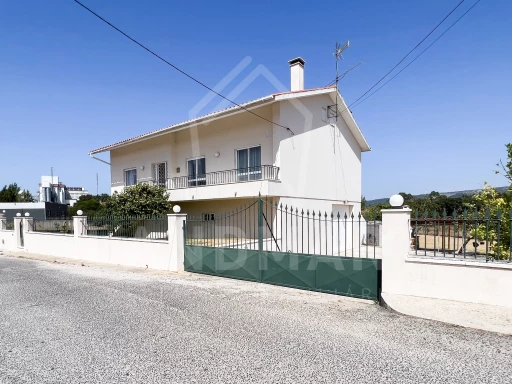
(297, 74)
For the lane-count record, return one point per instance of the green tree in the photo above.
(89, 207)
(12, 193)
(141, 199)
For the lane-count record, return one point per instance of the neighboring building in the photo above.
(51, 190)
(218, 162)
(41, 210)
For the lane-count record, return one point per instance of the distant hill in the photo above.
(449, 194)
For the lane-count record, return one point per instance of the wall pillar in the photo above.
(17, 231)
(79, 226)
(28, 224)
(3, 224)
(176, 241)
(396, 240)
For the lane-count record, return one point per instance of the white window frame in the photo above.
(154, 173)
(197, 179)
(248, 173)
(126, 178)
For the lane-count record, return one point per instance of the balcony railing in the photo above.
(262, 172)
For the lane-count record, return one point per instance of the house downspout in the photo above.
(96, 158)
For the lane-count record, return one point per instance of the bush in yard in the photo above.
(140, 200)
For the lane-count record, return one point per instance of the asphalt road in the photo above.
(64, 323)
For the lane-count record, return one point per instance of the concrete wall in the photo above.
(7, 240)
(439, 278)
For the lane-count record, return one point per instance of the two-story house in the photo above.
(223, 160)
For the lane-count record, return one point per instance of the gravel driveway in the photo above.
(62, 323)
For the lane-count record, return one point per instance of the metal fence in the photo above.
(139, 227)
(262, 172)
(270, 226)
(474, 234)
(8, 224)
(64, 226)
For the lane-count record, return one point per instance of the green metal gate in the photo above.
(246, 244)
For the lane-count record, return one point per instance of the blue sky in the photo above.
(69, 83)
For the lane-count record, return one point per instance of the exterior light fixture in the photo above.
(79, 212)
(18, 214)
(217, 154)
(27, 214)
(396, 201)
(176, 209)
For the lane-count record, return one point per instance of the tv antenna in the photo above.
(338, 55)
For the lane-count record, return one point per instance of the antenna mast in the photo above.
(338, 55)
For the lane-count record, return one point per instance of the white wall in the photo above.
(439, 278)
(320, 161)
(130, 252)
(7, 240)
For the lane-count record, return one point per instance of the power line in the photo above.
(401, 61)
(178, 69)
(426, 49)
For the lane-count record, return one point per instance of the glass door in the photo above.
(249, 164)
(196, 172)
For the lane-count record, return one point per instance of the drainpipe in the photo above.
(96, 158)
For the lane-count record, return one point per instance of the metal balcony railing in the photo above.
(262, 172)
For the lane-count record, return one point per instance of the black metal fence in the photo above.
(270, 226)
(262, 172)
(139, 227)
(478, 235)
(64, 226)
(7, 224)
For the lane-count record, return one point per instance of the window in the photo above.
(159, 173)
(249, 163)
(130, 177)
(196, 172)
(209, 216)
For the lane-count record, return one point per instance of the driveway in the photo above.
(63, 323)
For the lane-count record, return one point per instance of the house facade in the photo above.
(292, 149)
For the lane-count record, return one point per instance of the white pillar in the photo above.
(17, 233)
(3, 225)
(176, 241)
(396, 240)
(28, 224)
(79, 226)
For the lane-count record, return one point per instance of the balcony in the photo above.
(262, 172)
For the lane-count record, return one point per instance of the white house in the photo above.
(219, 161)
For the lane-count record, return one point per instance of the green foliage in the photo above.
(89, 207)
(141, 199)
(13, 193)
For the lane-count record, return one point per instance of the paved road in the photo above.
(88, 324)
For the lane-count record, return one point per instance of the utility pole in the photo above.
(97, 192)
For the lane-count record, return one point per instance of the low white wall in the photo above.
(130, 252)
(7, 240)
(439, 278)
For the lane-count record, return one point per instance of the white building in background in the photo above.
(217, 162)
(52, 190)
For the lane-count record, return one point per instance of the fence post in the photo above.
(79, 226)
(396, 240)
(3, 224)
(260, 236)
(176, 240)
